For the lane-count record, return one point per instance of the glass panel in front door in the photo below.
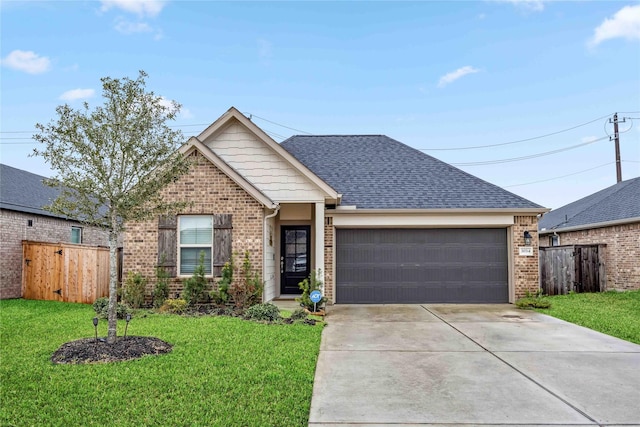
(295, 251)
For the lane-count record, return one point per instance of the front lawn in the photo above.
(222, 371)
(612, 313)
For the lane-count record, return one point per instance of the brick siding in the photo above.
(621, 256)
(329, 231)
(210, 192)
(526, 268)
(14, 229)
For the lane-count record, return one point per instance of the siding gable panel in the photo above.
(258, 164)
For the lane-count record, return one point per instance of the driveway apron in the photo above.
(470, 365)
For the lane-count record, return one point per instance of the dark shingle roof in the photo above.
(377, 172)
(618, 202)
(24, 191)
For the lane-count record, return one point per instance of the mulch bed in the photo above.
(87, 350)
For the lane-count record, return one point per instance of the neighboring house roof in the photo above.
(618, 203)
(378, 172)
(24, 191)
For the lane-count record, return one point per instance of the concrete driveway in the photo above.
(470, 365)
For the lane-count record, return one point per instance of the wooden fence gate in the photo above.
(578, 268)
(64, 272)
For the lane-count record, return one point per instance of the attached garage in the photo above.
(387, 266)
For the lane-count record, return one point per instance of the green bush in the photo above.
(221, 295)
(174, 306)
(308, 285)
(100, 304)
(161, 291)
(133, 290)
(247, 290)
(101, 307)
(299, 314)
(195, 286)
(263, 312)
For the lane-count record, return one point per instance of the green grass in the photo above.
(222, 371)
(612, 313)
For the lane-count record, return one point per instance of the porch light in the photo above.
(527, 238)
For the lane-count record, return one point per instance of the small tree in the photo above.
(111, 163)
(195, 286)
(161, 291)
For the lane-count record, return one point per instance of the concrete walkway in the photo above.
(470, 365)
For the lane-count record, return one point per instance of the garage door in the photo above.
(375, 266)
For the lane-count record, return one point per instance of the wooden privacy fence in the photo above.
(578, 268)
(65, 272)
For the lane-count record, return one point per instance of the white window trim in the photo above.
(178, 255)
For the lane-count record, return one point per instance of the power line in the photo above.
(277, 124)
(558, 177)
(515, 142)
(532, 156)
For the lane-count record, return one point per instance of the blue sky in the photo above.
(430, 74)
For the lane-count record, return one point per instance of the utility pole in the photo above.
(616, 137)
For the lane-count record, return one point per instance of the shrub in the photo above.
(263, 312)
(195, 286)
(174, 306)
(161, 291)
(133, 290)
(100, 304)
(101, 307)
(298, 314)
(308, 285)
(247, 290)
(221, 295)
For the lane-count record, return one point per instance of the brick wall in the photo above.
(526, 268)
(329, 231)
(210, 191)
(621, 256)
(14, 229)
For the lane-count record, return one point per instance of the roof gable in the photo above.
(195, 144)
(24, 191)
(263, 162)
(616, 203)
(378, 172)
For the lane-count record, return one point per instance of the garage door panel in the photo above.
(421, 265)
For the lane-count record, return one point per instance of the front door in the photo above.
(295, 257)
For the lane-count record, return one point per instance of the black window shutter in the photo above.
(221, 241)
(168, 243)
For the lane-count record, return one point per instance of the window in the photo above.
(554, 240)
(195, 236)
(76, 234)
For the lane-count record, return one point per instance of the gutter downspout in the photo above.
(276, 209)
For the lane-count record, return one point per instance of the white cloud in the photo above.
(128, 27)
(184, 112)
(625, 24)
(138, 7)
(589, 139)
(75, 94)
(530, 5)
(455, 75)
(27, 61)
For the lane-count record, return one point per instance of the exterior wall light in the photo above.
(527, 238)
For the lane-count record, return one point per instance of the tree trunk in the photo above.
(113, 287)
